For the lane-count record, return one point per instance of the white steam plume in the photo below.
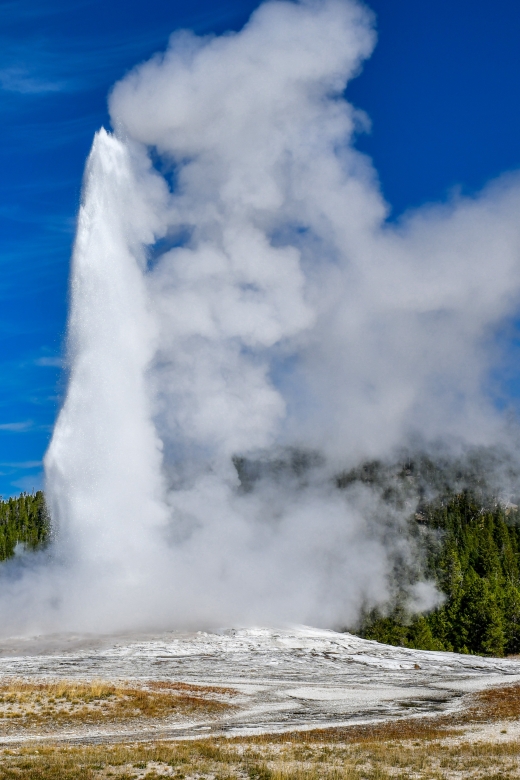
(257, 302)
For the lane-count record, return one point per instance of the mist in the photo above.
(245, 324)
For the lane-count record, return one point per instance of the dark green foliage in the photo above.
(473, 554)
(23, 520)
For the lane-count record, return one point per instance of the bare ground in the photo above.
(300, 705)
(481, 742)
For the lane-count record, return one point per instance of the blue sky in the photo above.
(442, 90)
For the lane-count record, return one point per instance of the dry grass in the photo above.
(496, 704)
(501, 703)
(219, 759)
(47, 706)
(411, 749)
(405, 729)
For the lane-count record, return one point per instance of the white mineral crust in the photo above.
(287, 678)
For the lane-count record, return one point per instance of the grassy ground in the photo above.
(44, 706)
(483, 743)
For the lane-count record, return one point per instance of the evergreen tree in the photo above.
(23, 520)
(475, 561)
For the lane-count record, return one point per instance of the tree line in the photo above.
(23, 521)
(472, 552)
(470, 548)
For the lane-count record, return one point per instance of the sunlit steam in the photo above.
(244, 326)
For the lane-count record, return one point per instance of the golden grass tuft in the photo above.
(47, 705)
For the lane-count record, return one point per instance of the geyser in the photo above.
(237, 295)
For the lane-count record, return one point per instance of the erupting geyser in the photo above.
(236, 296)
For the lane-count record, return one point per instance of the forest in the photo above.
(472, 552)
(469, 546)
(24, 523)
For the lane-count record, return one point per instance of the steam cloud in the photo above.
(238, 295)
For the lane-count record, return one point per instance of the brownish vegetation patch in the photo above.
(246, 759)
(51, 705)
(501, 703)
(407, 749)
(399, 729)
(190, 688)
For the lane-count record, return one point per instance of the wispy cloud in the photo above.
(29, 483)
(36, 66)
(50, 134)
(15, 11)
(33, 64)
(31, 263)
(17, 427)
(18, 79)
(24, 464)
(53, 362)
